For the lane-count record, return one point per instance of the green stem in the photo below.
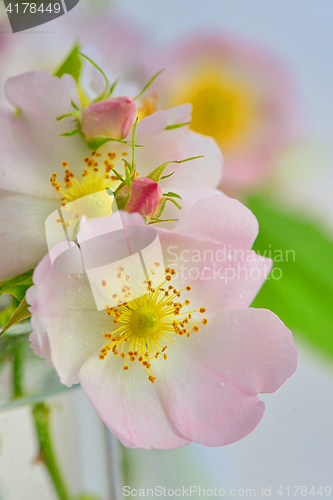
(18, 372)
(41, 415)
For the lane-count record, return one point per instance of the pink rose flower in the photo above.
(185, 360)
(241, 95)
(111, 118)
(40, 170)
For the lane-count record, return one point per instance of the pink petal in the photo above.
(200, 404)
(236, 226)
(67, 326)
(180, 144)
(189, 197)
(209, 392)
(248, 347)
(41, 98)
(151, 125)
(128, 403)
(179, 114)
(22, 238)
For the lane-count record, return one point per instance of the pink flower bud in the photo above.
(145, 197)
(110, 118)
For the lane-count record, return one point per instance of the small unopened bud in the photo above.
(111, 118)
(145, 196)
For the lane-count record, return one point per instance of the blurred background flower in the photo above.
(241, 95)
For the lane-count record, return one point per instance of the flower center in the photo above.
(222, 106)
(149, 322)
(145, 322)
(97, 175)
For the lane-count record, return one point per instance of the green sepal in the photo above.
(105, 92)
(161, 208)
(72, 65)
(303, 296)
(156, 221)
(166, 176)
(173, 195)
(133, 141)
(108, 88)
(111, 89)
(120, 202)
(65, 116)
(74, 105)
(119, 177)
(128, 178)
(17, 286)
(18, 315)
(155, 175)
(148, 84)
(174, 202)
(70, 133)
(109, 191)
(97, 142)
(176, 125)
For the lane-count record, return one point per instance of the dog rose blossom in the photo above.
(40, 170)
(184, 359)
(241, 95)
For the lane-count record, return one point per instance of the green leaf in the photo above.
(17, 286)
(72, 65)
(19, 314)
(303, 296)
(148, 84)
(176, 125)
(173, 195)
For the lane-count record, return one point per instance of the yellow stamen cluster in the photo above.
(149, 321)
(147, 106)
(96, 177)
